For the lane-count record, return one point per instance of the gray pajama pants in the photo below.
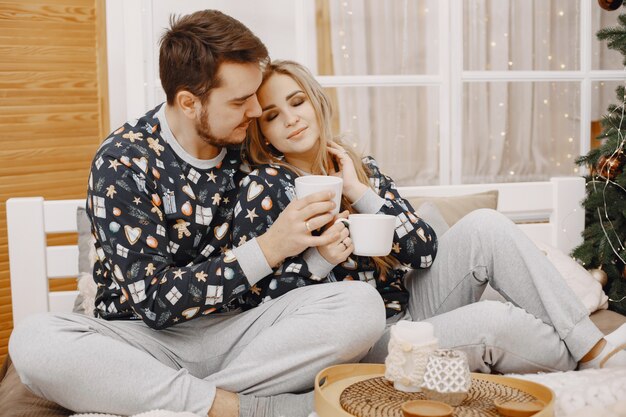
(542, 327)
(124, 367)
(88, 364)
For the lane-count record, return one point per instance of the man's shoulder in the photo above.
(139, 137)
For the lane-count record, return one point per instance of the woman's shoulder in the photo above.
(370, 163)
(271, 174)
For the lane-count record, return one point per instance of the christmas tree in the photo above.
(603, 250)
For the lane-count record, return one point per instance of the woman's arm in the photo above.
(415, 242)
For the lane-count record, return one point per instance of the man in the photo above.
(168, 332)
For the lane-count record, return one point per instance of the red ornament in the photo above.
(610, 166)
(610, 4)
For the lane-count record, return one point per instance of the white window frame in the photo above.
(133, 45)
(452, 78)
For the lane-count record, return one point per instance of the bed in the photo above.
(549, 212)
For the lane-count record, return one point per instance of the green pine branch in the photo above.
(615, 36)
(604, 236)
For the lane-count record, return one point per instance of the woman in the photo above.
(543, 327)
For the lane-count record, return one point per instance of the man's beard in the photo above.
(203, 129)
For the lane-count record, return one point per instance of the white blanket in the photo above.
(589, 393)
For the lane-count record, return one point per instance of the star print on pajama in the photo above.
(267, 191)
(162, 237)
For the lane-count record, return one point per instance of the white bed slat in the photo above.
(568, 216)
(538, 232)
(60, 215)
(523, 200)
(27, 254)
(62, 301)
(62, 261)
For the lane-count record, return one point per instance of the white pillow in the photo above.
(578, 278)
(588, 290)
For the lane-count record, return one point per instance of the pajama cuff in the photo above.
(252, 261)
(369, 203)
(583, 336)
(317, 264)
(199, 397)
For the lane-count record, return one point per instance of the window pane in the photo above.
(373, 37)
(520, 131)
(399, 126)
(602, 57)
(602, 95)
(521, 35)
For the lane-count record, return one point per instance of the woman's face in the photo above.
(288, 120)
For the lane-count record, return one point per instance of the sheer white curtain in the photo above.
(520, 131)
(512, 131)
(397, 125)
(603, 93)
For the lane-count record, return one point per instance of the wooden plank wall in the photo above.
(53, 109)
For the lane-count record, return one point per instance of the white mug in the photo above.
(309, 184)
(371, 234)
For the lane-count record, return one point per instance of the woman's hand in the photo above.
(340, 246)
(353, 189)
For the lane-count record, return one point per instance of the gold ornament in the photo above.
(599, 275)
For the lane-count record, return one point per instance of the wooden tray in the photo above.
(332, 381)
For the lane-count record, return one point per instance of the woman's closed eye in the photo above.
(296, 101)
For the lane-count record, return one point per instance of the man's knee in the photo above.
(27, 345)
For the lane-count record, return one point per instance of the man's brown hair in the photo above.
(195, 46)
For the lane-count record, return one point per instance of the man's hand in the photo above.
(338, 250)
(291, 232)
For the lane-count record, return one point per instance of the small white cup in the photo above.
(310, 184)
(371, 234)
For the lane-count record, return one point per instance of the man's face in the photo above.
(224, 119)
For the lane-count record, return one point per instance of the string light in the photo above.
(607, 182)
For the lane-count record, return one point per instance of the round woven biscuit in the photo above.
(376, 397)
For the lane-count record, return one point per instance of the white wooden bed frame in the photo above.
(548, 212)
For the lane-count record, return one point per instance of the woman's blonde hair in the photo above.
(257, 150)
